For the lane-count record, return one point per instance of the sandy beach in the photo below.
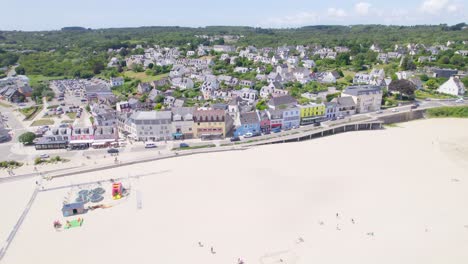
(397, 195)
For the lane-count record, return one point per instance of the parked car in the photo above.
(276, 130)
(460, 100)
(379, 112)
(112, 151)
(150, 145)
(394, 110)
(248, 135)
(234, 139)
(414, 106)
(44, 156)
(184, 145)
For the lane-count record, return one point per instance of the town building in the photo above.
(182, 122)
(209, 123)
(368, 98)
(249, 124)
(148, 126)
(311, 113)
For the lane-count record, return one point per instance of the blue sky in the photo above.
(55, 14)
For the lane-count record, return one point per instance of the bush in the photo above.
(454, 111)
(10, 164)
(38, 161)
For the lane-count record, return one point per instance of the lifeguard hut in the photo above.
(116, 190)
(73, 209)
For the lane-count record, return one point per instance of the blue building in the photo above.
(249, 123)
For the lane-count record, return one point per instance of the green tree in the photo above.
(444, 60)
(432, 84)
(424, 77)
(143, 98)
(158, 107)
(20, 70)
(465, 81)
(457, 59)
(27, 138)
(98, 67)
(159, 98)
(261, 105)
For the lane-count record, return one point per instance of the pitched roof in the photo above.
(344, 101)
(282, 100)
(249, 118)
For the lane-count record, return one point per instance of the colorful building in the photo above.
(311, 113)
(209, 123)
(265, 125)
(291, 118)
(249, 124)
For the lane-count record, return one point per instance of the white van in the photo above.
(150, 145)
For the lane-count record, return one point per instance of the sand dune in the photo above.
(400, 195)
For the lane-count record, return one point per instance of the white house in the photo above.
(453, 86)
(249, 95)
(183, 83)
(208, 88)
(116, 81)
(241, 69)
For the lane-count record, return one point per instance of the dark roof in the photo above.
(213, 115)
(249, 118)
(276, 114)
(346, 101)
(282, 100)
(97, 88)
(26, 89)
(72, 206)
(183, 110)
(220, 106)
(445, 73)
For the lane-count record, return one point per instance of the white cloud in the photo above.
(434, 6)
(362, 8)
(336, 12)
(299, 19)
(452, 8)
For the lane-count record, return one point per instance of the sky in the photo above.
(32, 15)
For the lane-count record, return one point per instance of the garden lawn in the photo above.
(34, 80)
(43, 122)
(144, 77)
(422, 94)
(71, 115)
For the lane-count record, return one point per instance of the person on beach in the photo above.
(212, 251)
(352, 221)
(200, 244)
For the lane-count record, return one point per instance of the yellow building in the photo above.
(209, 123)
(311, 113)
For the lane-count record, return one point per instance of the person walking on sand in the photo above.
(212, 251)
(200, 244)
(352, 221)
